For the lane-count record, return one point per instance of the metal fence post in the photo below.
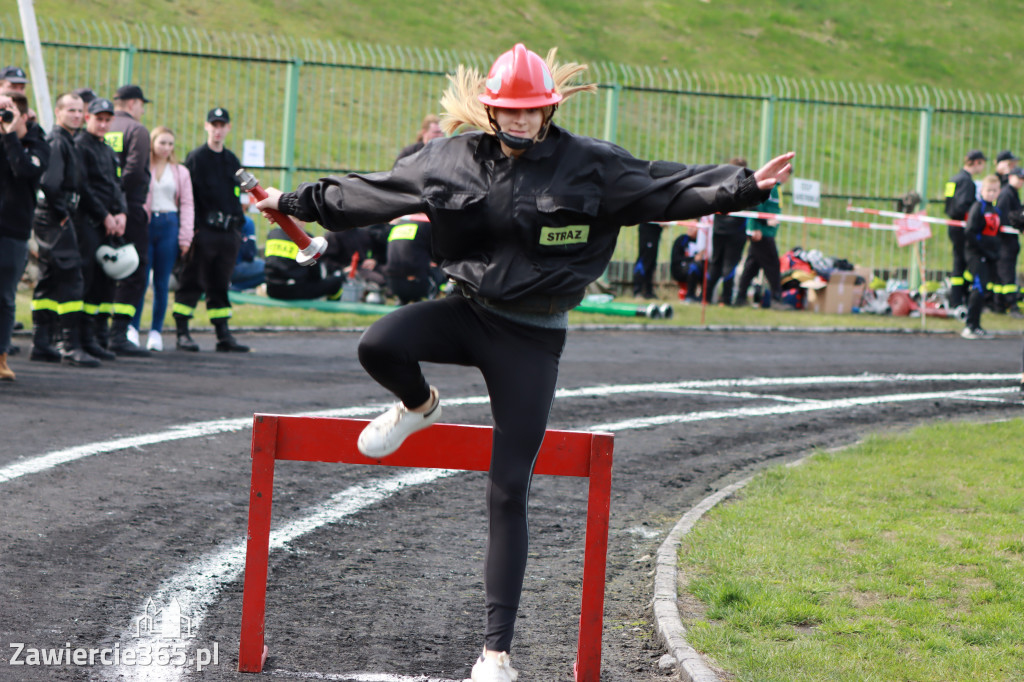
(916, 279)
(611, 114)
(764, 151)
(291, 112)
(126, 65)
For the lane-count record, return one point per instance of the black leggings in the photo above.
(520, 366)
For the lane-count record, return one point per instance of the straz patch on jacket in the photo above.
(281, 248)
(115, 140)
(559, 236)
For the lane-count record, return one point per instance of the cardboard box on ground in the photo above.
(843, 292)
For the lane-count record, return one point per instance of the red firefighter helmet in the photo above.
(520, 79)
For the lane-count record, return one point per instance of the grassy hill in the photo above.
(961, 44)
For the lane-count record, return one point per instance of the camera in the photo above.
(6, 115)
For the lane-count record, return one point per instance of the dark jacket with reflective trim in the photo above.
(23, 165)
(103, 195)
(279, 266)
(961, 193)
(543, 224)
(130, 141)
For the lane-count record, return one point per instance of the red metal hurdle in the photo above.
(442, 446)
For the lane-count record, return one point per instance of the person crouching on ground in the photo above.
(524, 215)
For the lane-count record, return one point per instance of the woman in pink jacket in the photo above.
(171, 212)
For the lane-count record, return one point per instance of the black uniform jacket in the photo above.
(543, 224)
(130, 141)
(22, 167)
(981, 233)
(103, 195)
(279, 266)
(62, 185)
(1009, 207)
(960, 195)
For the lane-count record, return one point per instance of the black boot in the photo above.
(185, 341)
(102, 330)
(89, 343)
(71, 351)
(119, 343)
(225, 341)
(42, 343)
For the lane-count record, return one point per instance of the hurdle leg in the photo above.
(252, 652)
(588, 653)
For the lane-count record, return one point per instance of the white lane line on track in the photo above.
(359, 677)
(40, 463)
(200, 584)
(772, 410)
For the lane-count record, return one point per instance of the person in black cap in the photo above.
(1006, 161)
(130, 141)
(1008, 203)
(961, 193)
(217, 238)
(57, 300)
(87, 95)
(13, 78)
(103, 214)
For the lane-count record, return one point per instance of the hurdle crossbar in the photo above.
(442, 446)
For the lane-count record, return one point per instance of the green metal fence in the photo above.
(330, 107)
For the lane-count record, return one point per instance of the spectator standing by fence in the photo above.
(26, 155)
(1012, 216)
(130, 141)
(961, 193)
(645, 268)
(430, 129)
(103, 216)
(1006, 161)
(218, 236)
(57, 301)
(981, 248)
(728, 238)
(763, 254)
(171, 211)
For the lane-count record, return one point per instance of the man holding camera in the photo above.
(130, 141)
(25, 158)
(218, 236)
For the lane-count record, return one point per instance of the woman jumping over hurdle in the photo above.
(524, 215)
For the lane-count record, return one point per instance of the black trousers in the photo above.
(763, 255)
(958, 288)
(649, 235)
(726, 252)
(520, 367)
(208, 267)
(1006, 272)
(98, 287)
(130, 290)
(982, 269)
(59, 287)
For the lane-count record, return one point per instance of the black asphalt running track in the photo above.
(394, 589)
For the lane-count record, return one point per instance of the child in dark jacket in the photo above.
(981, 247)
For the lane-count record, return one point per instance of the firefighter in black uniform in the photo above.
(648, 237)
(218, 236)
(524, 215)
(57, 301)
(1012, 215)
(961, 193)
(289, 281)
(410, 271)
(102, 213)
(130, 141)
(728, 239)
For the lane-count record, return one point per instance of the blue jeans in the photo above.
(163, 253)
(13, 256)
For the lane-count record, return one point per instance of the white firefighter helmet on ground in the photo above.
(118, 261)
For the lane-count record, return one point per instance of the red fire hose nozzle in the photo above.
(310, 250)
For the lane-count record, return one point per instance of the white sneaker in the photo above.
(387, 432)
(494, 670)
(155, 341)
(133, 335)
(972, 334)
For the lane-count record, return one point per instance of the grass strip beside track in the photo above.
(898, 559)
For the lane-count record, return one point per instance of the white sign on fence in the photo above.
(807, 193)
(253, 154)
